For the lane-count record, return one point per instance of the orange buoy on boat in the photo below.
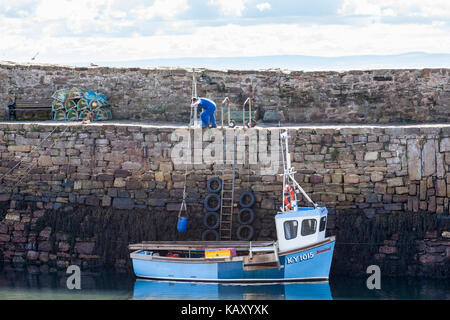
(289, 197)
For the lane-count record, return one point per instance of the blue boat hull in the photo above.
(312, 264)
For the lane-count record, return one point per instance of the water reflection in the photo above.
(162, 290)
(33, 284)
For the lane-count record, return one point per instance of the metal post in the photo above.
(194, 95)
(243, 112)
(250, 113)
(223, 102)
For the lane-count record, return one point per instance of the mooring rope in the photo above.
(33, 164)
(193, 94)
(31, 151)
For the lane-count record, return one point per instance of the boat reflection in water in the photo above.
(164, 290)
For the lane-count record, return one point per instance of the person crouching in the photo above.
(209, 107)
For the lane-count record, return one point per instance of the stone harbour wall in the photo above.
(163, 94)
(87, 192)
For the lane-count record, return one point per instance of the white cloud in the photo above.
(411, 8)
(233, 40)
(162, 8)
(263, 6)
(230, 7)
(112, 30)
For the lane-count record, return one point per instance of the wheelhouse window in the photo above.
(323, 224)
(309, 227)
(290, 229)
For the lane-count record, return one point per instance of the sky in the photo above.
(65, 31)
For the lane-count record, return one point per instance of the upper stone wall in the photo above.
(378, 96)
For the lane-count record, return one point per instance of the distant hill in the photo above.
(412, 60)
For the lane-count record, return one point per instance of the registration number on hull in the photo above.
(300, 258)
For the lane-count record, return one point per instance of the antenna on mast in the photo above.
(288, 174)
(194, 115)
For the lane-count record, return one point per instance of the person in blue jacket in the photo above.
(209, 107)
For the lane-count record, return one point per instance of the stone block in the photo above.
(445, 145)
(371, 156)
(106, 201)
(395, 182)
(401, 190)
(441, 188)
(32, 255)
(380, 188)
(5, 197)
(315, 179)
(45, 246)
(45, 161)
(173, 206)
(123, 203)
(119, 183)
(159, 176)
(132, 166)
(429, 158)
(414, 160)
(85, 247)
(267, 204)
(120, 173)
(337, 178)
(92, 201)
(431, 258)
(351, 179)
(376, 176)
(166, 167)
(22, 148)
(387, 250)
(43, 257)
(105, 177)
(5, 237)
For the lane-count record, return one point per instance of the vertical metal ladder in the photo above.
(227, 196)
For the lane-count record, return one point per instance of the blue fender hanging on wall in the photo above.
(182, 221)
(182, 224)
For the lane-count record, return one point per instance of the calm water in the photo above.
(109, 286)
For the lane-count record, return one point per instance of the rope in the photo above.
(193, 94)
(35, 163)
(32, 150)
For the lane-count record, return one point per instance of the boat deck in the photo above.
(198, 245)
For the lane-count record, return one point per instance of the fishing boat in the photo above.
(301, 252)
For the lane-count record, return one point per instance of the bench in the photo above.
(29, 105)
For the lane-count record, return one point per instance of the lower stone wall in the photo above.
(403, 244)
(85, 193)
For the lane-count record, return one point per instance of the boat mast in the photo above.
(194, 115)
(288, 174)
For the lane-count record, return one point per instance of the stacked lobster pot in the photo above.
(79, 104)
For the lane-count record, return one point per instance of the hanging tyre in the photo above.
(212, 202)
(211, 220)
(214, 185)
(245, 232)
(246, 216)
(232, 124)
(210, 235)
(247, 199)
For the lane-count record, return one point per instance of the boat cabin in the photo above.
(300, 227)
